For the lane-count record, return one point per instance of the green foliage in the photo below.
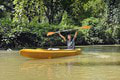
(26, 11)
(6, 7)
(53, 10)
(25, 23)
(90, 21)
(66, 19)
(95, 8)
(87, 8)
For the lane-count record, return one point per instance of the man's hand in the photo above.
(59, 33)
(75, 35)
(62, 36)
(76, 32)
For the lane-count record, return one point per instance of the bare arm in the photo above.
(75, 36)
(62, 36)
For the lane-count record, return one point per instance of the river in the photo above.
(95, 63)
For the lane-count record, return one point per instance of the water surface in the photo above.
(95, 63)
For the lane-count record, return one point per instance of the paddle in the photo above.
(84, 27)
(51, 33)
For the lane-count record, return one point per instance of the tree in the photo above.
(28, 10)
(113, 11)
(53, 10)
(82, 9)
(6, 8)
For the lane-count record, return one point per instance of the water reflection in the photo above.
(37, 64)
(45, 62)
(50, 69)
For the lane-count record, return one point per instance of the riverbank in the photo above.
(61, 47)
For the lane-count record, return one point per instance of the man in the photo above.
(70, 42)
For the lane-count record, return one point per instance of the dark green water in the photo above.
(95, 63)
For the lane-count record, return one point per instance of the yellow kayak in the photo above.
(48, 54)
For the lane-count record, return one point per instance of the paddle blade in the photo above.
(85, 27)
(50, 33)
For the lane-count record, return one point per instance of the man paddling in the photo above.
(70, 41)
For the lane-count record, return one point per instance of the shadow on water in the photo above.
(94, 64)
